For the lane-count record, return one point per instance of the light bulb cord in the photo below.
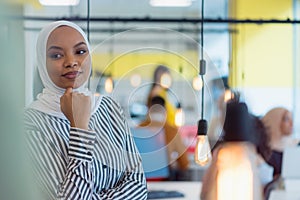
(88, 20)
(202, 62)
(202, 124)
(202, 25)
(202, 97)
(88, 34)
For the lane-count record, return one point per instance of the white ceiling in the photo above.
(133, 8)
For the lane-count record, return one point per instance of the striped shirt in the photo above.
(72, 163)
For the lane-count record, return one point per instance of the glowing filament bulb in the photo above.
(202, 150)
(166, 80)
(197, 83)
(109, 84)
(228, 95)
(179, 117)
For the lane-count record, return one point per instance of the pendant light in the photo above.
(109, 84)
(202, 150)
(135, 80)
(179, 115)
(197, 83)
(165, 80)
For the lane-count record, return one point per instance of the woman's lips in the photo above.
(72, 75)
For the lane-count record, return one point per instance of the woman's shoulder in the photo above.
(33, 118)
(31, 113)
(109, 106)
(36, 116)
(109, 101)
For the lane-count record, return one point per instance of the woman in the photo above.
(243, 147)
(162, 81)
(81, 145)
(177, 154)
(279, 122)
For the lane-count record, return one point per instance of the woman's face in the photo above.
(287, 123)
(67, 58)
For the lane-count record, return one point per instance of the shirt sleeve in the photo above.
(50, 166)
(78, 181)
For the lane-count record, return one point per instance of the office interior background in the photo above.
(255, 44)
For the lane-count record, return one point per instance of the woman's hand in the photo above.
(77, 108)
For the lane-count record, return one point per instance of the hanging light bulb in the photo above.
(166, 80)
(202, 149)
(109, 84)
(228, 95)
(179, 116)
(135, 80)
(197, 83)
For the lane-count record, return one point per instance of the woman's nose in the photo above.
(70, 61)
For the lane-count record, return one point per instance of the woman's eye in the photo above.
(55, 56)
(82, 51)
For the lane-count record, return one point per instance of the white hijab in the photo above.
(49, 100)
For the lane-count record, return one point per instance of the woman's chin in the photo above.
(73, 85)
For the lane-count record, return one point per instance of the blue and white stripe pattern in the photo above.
(72, 163)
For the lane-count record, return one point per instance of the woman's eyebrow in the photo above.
(80, 43)
(54, 47)
(59, 48)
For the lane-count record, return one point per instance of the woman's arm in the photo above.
(66, 170)
(62, 176)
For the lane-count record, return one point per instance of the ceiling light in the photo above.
(165, 80)
(171, 3)
(197, 83)
(59, 2)
(135, 80)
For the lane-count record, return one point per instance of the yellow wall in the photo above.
(145, 63)
(262, 54)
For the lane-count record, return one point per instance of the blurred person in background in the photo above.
(279, 123)
(177, 151)
(217, 122)
(263, 150)
(238, 170)
(162, 81)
